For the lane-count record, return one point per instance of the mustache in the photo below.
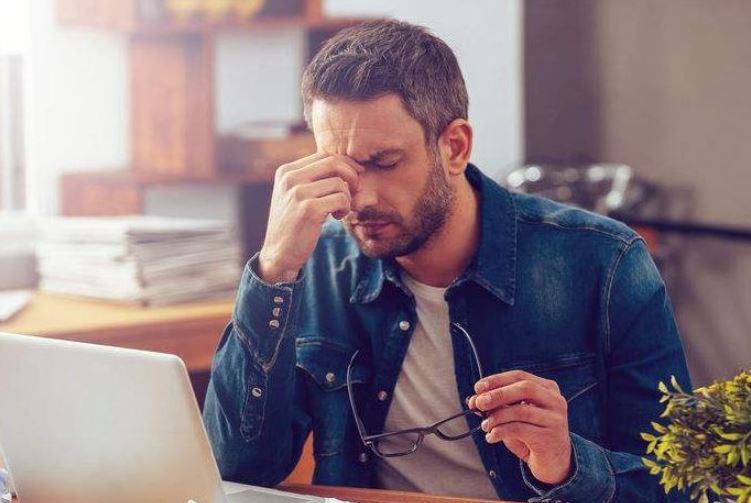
(371, 215)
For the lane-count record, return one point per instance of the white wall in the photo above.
(77, 104)
(257, 77)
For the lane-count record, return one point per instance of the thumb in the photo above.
(518, 448)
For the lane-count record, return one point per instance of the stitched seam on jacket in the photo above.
(598, 230)
(609, 289)
(582, 391)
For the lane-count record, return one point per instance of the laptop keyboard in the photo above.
(254, 496)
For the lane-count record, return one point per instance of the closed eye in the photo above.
(386, 166)
(382, 166)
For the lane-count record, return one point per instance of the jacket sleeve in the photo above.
(254, 411)
(642, 347)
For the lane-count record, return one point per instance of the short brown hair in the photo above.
(388, 56)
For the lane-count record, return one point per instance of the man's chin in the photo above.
(382, 249)
(374, 249)
(380, 246)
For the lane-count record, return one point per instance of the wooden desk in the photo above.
(190, 331)
(374, 495)
(377, 495)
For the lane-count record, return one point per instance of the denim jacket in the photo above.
(559, 292)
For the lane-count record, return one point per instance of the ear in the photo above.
(455, 146)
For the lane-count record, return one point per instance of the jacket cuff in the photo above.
(264, 313)
(593, 479)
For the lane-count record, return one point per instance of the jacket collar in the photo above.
(494, 264)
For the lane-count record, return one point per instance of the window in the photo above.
(14, 42)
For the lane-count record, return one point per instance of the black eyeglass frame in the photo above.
(371, 441)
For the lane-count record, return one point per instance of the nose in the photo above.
(367, 196)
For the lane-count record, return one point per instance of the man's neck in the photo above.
(448, 252)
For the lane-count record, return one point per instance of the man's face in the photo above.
(405, 195)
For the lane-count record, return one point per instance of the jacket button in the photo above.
(276, 312)
(278, 300)
(330, 377)
(492, 474)
(404, 325)
(256, 392)
(363, 457)
(383, 395)
(274, 323)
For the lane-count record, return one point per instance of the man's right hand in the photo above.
(305, 193)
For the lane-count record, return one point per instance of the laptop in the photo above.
(87, 423)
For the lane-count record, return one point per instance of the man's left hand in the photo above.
(530, 416)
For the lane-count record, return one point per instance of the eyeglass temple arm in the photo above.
(358, 421)
(472, 347)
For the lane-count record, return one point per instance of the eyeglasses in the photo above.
(404, 442)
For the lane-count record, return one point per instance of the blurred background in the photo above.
(180, 110)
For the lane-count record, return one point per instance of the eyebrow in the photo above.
(380, 155)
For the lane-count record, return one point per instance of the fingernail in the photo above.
(484, 425)
(489, 438)
(483, 400)
(481, 386)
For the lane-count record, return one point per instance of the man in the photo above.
(431, 264)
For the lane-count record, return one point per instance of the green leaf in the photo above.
(723, 449)
(704, 498)
(651, 446)
(664, 389)
(648, 462)
(675, 384)
(661, 449)
(744, 479)
(658, 427)
(733, 437)
(648, 437)
(733, 457)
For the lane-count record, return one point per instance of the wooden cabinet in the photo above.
(172, 100)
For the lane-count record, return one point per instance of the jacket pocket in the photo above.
(325, 362)
(576, 376)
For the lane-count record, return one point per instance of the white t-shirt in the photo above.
(426, 392)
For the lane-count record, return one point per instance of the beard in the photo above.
(431, 211)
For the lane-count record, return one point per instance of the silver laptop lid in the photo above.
(81, 422)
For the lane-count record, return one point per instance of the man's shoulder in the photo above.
(547, 216)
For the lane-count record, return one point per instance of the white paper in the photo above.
(139, 259)
(12, 301)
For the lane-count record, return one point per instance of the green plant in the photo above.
(706, 445)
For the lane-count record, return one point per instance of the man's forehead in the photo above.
(363, 129)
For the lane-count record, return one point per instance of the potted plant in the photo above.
(705, 445)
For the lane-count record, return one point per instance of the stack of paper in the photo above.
(17, 261)
(141, 259)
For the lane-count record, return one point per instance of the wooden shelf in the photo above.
(128, 16)
(121, 192)
(123, 16)
(203, 28)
